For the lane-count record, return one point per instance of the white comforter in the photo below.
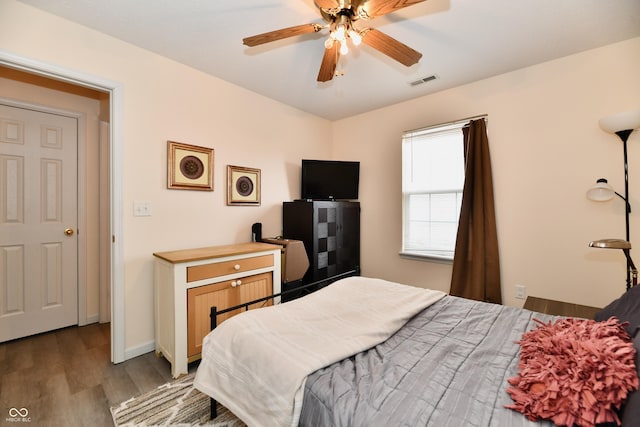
(256, 363)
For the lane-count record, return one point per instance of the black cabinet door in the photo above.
(348, 236)
(330, 232)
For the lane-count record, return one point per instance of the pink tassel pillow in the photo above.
(574, 372)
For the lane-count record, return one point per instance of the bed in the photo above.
(367, 352)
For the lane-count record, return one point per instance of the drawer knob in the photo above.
(234, 284)
(239, 282)
(236, 267)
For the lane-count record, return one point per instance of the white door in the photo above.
(38, 221)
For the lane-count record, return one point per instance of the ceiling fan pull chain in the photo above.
(339, 66)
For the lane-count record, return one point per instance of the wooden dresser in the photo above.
(188, 282)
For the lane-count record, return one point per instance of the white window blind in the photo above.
(432, 182)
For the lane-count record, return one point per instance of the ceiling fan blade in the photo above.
(281, 34)
(374, 8)
(326, 4)
(391, 47)
(329, 62)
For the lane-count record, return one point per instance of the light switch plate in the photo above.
(141, 208)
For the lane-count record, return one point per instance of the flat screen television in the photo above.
(329, 180)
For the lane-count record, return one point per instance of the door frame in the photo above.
(115, 91)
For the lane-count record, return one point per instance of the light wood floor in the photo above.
(65, 377)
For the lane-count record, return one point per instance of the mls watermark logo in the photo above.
(18, 415)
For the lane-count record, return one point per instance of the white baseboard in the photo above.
(139, 350)
(90, 320)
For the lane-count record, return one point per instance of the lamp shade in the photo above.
(601, 191)
(628, 120)
(610, 244)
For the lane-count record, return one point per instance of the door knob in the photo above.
(68, 231)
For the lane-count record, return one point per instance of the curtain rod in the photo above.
(453, 123)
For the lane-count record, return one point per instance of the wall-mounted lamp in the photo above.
(622, 124)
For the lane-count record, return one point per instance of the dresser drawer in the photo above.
(217, 269)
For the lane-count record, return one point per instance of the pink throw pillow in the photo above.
(574, 372)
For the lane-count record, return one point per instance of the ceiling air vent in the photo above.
(423, 80)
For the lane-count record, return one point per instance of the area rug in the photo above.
(173, 404)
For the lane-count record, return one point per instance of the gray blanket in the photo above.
(448, 366)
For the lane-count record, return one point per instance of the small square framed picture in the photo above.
(243, 186)
(189, 167)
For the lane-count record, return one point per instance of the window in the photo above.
(432, 182)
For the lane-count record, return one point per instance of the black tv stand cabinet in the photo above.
(330, 231)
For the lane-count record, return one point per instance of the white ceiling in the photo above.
(461, 41)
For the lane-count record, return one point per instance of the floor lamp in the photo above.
(622, 124)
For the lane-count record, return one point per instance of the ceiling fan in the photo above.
(340, 17)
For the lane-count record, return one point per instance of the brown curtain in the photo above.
(476, 264)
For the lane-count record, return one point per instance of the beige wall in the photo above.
(546, 149)
(164, 100)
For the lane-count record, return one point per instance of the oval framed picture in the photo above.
(189, 167)
(243, 186)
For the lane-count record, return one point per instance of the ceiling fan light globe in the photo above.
(355, 37)
(328, 43)
(344, 49)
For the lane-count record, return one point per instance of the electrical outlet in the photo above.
(141, 208)
(521, 292)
